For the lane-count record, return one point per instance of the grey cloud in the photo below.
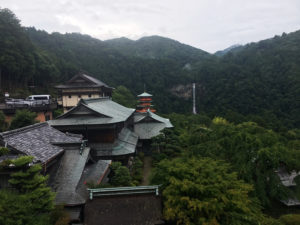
(207, 24)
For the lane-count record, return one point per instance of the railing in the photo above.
(33, 107)
(124, 191)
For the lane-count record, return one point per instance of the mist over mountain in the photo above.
(257, 82)
(229, 49)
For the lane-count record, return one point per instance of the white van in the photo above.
(38, 100)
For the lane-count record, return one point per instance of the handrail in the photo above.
(123, 191)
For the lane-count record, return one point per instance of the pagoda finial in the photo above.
(144, 87)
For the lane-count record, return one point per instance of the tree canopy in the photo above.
(30, 201)
(204, 191)
(22, 118)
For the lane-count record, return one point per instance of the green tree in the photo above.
(4, 151)
(204, 191)
(30, 201)
(290, 219)
(29, 181)
(120, 175)
(123, 96)
(254, 153)
(23, 118)
(3, 123)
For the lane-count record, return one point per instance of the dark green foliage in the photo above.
(204, 191)
(137, 171)
(4, 151)
(120, 175)
(30, 201)
(57, 112)
(16, 209)
(166, 145)
(59, 216)
(123, 96)
(3, 124)
(254, 153)
(22, 118)
(290, 219)
(21, 63)
(28, 180)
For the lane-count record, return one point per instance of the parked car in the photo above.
(33, 100)
(13, 102)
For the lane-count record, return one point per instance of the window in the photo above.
(70, 96)
(47, 117)
(90, 95)
(79, 96)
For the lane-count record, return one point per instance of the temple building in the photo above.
(147, 124)
(107, 125)
(63, 156)
(82, 86)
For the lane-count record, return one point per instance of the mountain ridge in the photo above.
(260, 80)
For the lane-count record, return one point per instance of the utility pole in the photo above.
(194, 98)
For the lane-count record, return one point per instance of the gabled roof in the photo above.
(100, 111)
(148, 125)
(74, 173)
(141, 117)
(145, 94)
(39, 140)
(83, 80)
(68, 176)
(124, 145)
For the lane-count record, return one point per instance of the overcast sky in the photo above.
(210, 25)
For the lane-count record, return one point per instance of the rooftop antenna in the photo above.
(194, 98)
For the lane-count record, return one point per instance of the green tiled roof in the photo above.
(148, 125)
(124, 145)
(99, 111)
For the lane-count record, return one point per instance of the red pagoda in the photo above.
(145, 101)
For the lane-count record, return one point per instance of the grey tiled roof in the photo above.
(94, 173)
(148, 130)
(68, 176)
(148, 125)
(124, 145)
(102, 111)
(93, 82)
(38, 140)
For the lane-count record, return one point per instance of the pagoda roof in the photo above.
(145, 94)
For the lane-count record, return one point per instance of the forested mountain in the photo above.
(257, 82)
(259, 79)
(156, 47)
(229, 49)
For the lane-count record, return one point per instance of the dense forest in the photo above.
(257, 82)
(217, 172)
(215, 167)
